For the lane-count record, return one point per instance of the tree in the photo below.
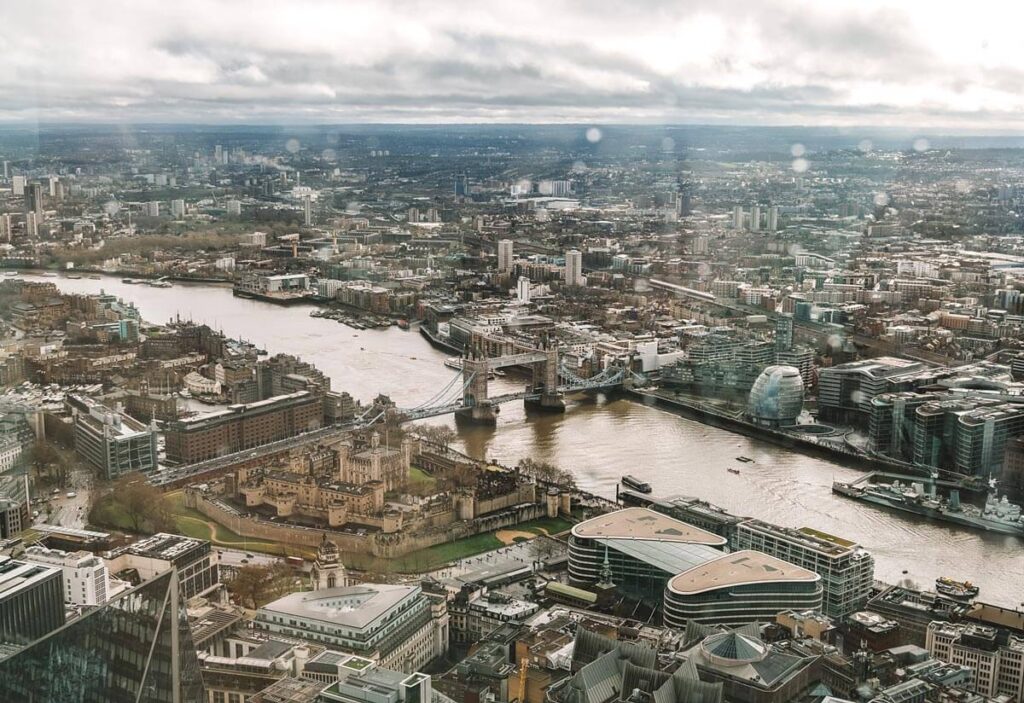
(255, 584)
(441, 435)
(543, 548)
(53, 462)
(142, 505)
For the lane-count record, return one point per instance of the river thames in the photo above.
(599, 439)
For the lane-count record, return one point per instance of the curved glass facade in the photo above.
(777, 396)
(740, 604)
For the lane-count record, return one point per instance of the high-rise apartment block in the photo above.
(505, 255)
(574, 268)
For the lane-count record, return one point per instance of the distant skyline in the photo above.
(914, 65)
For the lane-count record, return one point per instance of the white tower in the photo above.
(523, 290)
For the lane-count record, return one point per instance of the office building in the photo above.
(574, 268)
(241, 427)
(34, 199)
(847, 571)
(606, 670)
(996, 656)
(637, 550)
(234, 208)
(380, 686)
(6, 231)
(18, 185)
(773, 218)
(892, 422)
(750, 670)
(737, 217)
(31, 601)
(14, 503)
(845, 390)
(32, 225)
(178, 208)
(400, 627)
(739, 588)
(475, 612)
(783, 333)
(461, 185)
(755, 218)
(307, 210)
(151, 209)
(85, 576)
(504, 255)
(113, 442)
(196, 565)
(137, 647)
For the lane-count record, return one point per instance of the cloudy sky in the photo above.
(910, 63)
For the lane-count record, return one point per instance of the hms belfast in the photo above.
(997, 515)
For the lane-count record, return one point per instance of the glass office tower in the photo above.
(137, 647)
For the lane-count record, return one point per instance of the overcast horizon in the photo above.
(856, 65)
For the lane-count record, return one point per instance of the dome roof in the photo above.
(777, 394)
(733, 648)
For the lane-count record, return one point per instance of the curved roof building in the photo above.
(740, 588)
(777, 396)
(638, 550)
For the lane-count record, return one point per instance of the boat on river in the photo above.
(636, 484)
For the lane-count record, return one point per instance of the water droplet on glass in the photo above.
(579, 167)
(329, 155)
(594, 135)
(921, 144)
(292, 145)
(798, 150)
(668, 144)
(865, 145)
(112, 207)
(800, 165)
(881, 199)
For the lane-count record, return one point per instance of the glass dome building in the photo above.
(777, 396)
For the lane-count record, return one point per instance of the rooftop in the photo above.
(18, 575)
(347, 606)
(739, 569)
(164, 546)
(647, 525)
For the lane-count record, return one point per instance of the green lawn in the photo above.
(192, 523)
(545, 525)
(434, 557)
(420, 477)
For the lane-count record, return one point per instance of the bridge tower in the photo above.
(545, 376)
(478, 409)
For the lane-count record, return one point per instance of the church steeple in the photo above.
(606, 572)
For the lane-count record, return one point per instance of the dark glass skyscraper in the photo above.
(137, 647)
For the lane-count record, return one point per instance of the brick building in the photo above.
(241, 427)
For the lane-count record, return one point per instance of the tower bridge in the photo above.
(550, 380)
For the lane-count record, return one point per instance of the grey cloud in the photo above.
(812, 65)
